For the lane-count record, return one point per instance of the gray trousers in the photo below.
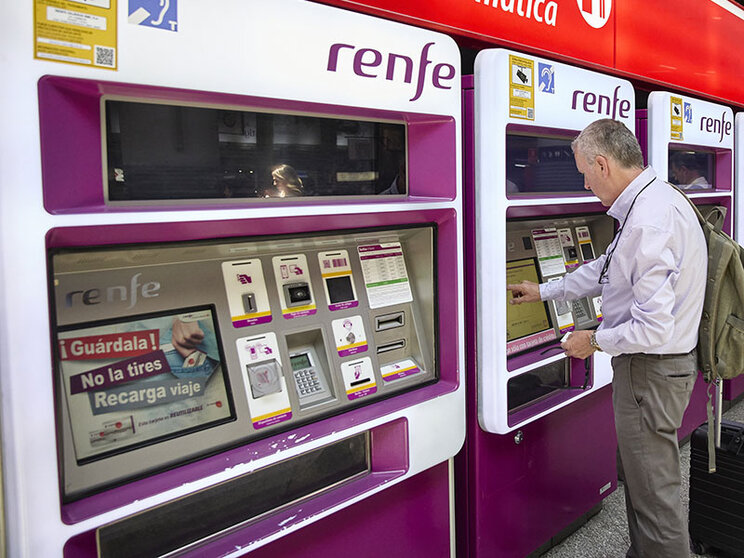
(650, 395)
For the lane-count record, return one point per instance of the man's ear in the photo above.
(602, 163)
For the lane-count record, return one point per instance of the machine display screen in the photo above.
(540, 164)
(300, 361)
(523, 320)
(692, 168)
(173, 152)
(135, 381)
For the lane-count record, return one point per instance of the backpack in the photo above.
(720, 345)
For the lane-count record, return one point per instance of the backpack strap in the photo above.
(712, 223)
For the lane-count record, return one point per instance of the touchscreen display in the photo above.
(135, 381)
(523, 320)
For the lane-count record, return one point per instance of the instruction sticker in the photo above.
(359, 380)
(293, 282)
(549, 252)
(246, 293)
(76, 32)
(675, 106)
(585, 244)
(385, 275)
(266, 388)
(570, 253)
(160, 14)
(349, 335)
(398, 370)
(521, 88)
(335, 267)
(597, 302)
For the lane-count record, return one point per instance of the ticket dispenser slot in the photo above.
(309, 366)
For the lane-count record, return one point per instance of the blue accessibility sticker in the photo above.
(161, 14)
(688, 113)
(546, 80)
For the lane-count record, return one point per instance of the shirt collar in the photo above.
(619, 209)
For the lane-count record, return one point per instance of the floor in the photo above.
(606, 534)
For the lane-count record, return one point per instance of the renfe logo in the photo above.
(596, 12)
(120, 293)
(365, 60)
(720, 127)
(601, 104)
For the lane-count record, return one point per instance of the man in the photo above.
(652, 281)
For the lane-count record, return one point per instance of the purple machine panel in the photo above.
(516, 492)
(415, 514)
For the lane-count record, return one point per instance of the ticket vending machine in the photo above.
(690, 143)
(231, 258)
(540, 449)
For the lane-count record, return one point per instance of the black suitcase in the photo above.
(717, 500)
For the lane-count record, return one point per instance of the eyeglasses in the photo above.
(603, 274)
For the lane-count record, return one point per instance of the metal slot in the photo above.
(389, 321)
(387, 347)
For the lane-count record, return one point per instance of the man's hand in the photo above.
(526, 291)
(577, 345)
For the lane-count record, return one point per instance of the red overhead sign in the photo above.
(690, 45)
(582, 29)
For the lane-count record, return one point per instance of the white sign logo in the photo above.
(596, 12)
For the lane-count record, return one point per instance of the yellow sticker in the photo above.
(676, 110)
(521, 88)
(76, 32)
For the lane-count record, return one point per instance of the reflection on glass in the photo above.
(691, 168)
(541, 164)
(163, 152)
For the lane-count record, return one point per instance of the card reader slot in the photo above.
(387, 347)
(390, 321)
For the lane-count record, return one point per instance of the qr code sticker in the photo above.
(105, 56)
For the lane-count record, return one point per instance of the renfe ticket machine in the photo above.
(540, 449)
(690, 143)
(231, 285)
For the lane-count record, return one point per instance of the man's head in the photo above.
(609, 157)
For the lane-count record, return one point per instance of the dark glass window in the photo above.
(541, 164)
(692, 168)
(536, 384)
(170, 152)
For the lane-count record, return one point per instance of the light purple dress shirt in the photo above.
(653, 298)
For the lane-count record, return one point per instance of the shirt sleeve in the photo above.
(652, 274)
(577, 284)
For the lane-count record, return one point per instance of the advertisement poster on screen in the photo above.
(142, 379)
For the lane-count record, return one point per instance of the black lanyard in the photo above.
(603, 274)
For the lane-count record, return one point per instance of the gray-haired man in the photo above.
(652, 282)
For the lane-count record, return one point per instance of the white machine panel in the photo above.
(684, 131)
(526, 96)
(285, 57)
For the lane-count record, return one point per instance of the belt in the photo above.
(664, 356)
